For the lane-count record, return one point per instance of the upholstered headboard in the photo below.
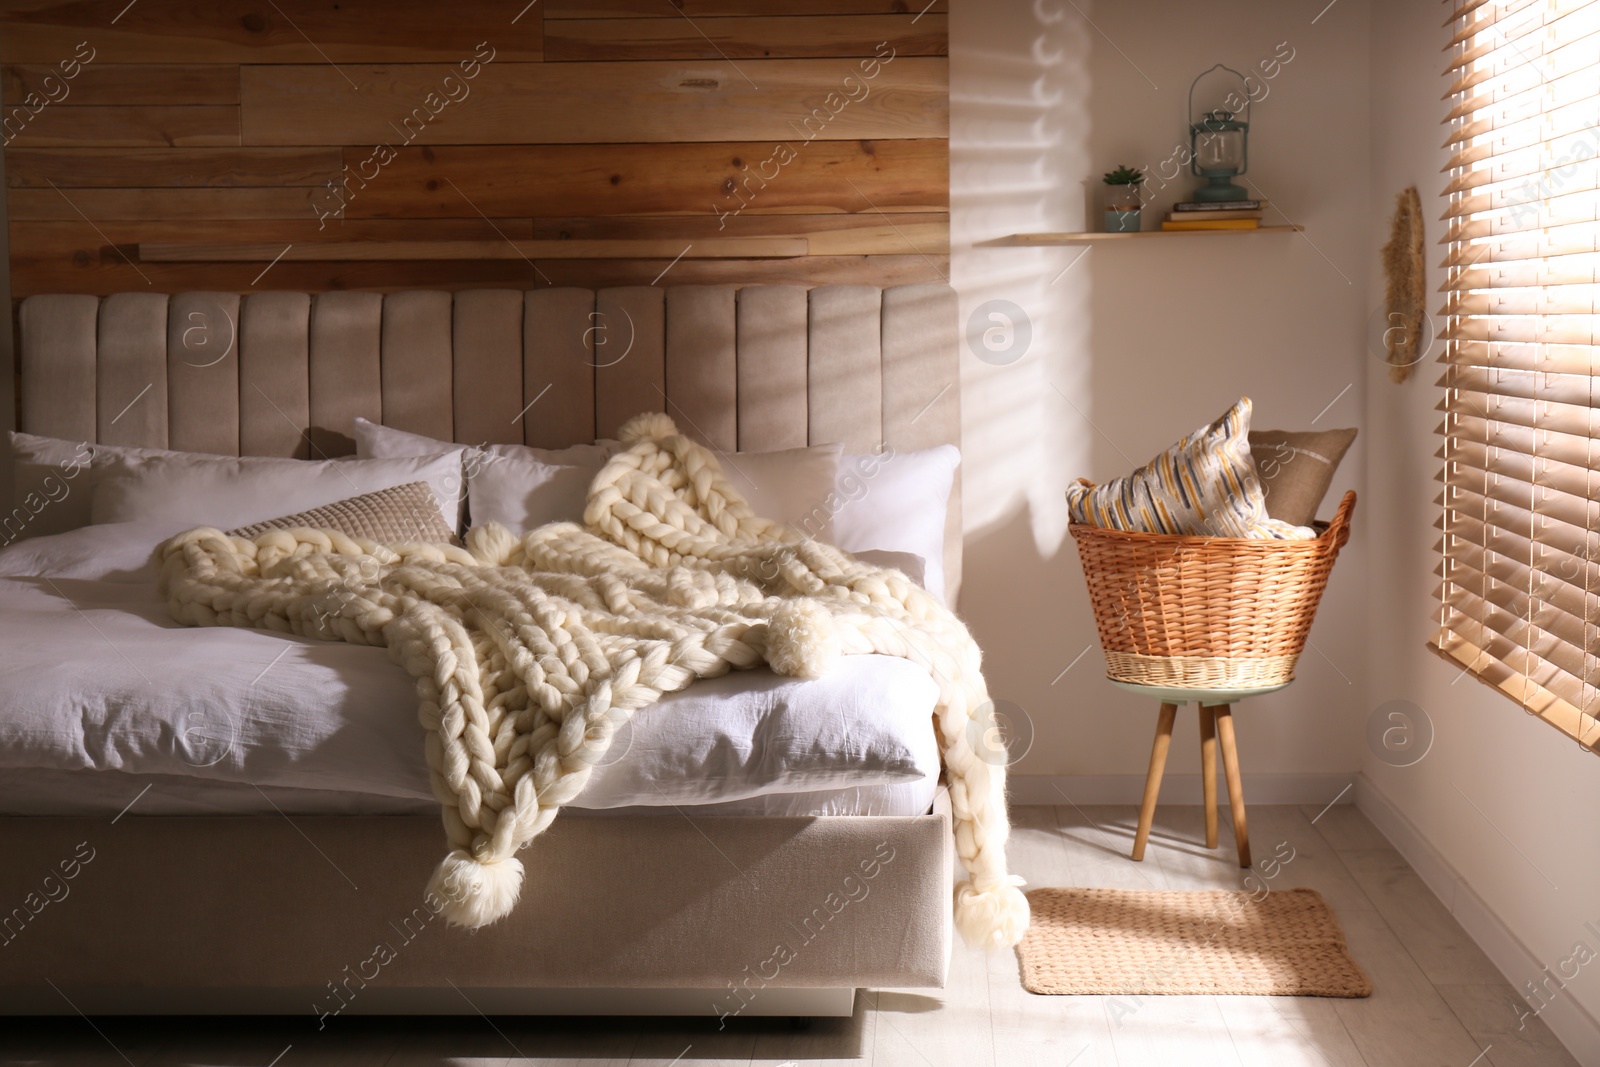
(282, 374)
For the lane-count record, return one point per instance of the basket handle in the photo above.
(1338, 531)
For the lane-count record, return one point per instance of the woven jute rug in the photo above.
(1131, 942)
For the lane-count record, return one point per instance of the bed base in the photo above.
(326, 915)
(791, 1003)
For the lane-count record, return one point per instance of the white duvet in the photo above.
(95, 676)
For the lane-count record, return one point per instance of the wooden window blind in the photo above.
(1520, 553)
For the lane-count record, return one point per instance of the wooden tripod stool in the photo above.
(1216, 723)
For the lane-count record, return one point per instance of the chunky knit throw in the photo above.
(529, 653)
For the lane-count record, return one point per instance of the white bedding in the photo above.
(95, 676)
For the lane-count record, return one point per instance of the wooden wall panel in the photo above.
(90, 206)
(592, 103)
(247, 31)
(794, 36)
(575, 9)
(706, 180)
(123, 84)
(168, 145)
(111, 274)
(124, 168)
(132, 127)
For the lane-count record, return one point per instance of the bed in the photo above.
(293, 884)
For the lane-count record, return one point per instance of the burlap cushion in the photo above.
(390, 516)
(1296, 469)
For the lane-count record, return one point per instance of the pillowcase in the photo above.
(522, 493)
(1205, 485)
(897, 502)
(228, 491)
(791, 485)
(391, 516)
(374, 441)
(52, 483)
(1296, 469)
(912, 566)
(522, 487)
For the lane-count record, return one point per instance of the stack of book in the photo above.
(1215, 215)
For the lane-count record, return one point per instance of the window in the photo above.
(1520, 591)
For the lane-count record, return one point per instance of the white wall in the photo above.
(1504, 800)
(1141, 342)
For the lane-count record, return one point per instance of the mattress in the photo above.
(105, 702)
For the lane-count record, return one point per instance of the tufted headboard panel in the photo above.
(282, 374)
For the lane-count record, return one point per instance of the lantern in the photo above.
(1219, 143)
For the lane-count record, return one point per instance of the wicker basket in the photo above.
(1206, 612)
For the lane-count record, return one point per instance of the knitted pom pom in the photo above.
(801, 639)
(476, 894)
(992, 918)
(647, 426)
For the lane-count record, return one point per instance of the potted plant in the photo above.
(1123, 200)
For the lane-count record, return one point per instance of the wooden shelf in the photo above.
(659, 248)
(1027, 240)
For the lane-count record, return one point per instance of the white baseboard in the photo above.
(1316, 789)
(1567, 1019)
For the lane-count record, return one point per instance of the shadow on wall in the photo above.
(1019, 157)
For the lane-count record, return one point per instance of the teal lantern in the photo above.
(1219, 143)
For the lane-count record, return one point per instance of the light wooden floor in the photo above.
(1437, 1000)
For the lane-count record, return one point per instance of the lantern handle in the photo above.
(1230, 70)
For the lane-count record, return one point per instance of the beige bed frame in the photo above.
(667, 914)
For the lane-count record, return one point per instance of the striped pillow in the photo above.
(392, 516)
(1205, 485)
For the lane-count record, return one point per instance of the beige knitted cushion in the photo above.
(397, 515)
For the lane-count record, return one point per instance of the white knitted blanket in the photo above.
(530, 653)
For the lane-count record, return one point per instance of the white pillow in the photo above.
(897, 502)
(52, 482)
(907, 563)
(521, 493)
(230, 491)
(791, 485)
(523, 487)
(374, 441)
(112, 552)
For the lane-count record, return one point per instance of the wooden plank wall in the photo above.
(164, 145)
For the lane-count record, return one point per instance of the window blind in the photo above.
(1519, 593)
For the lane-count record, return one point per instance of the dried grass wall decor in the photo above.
(1403, 287)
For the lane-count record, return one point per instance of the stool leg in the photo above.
(1208, 771)
(1230, 769)
(1152, 780)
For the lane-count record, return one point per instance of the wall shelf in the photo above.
(1027, 240)
(505, 248)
